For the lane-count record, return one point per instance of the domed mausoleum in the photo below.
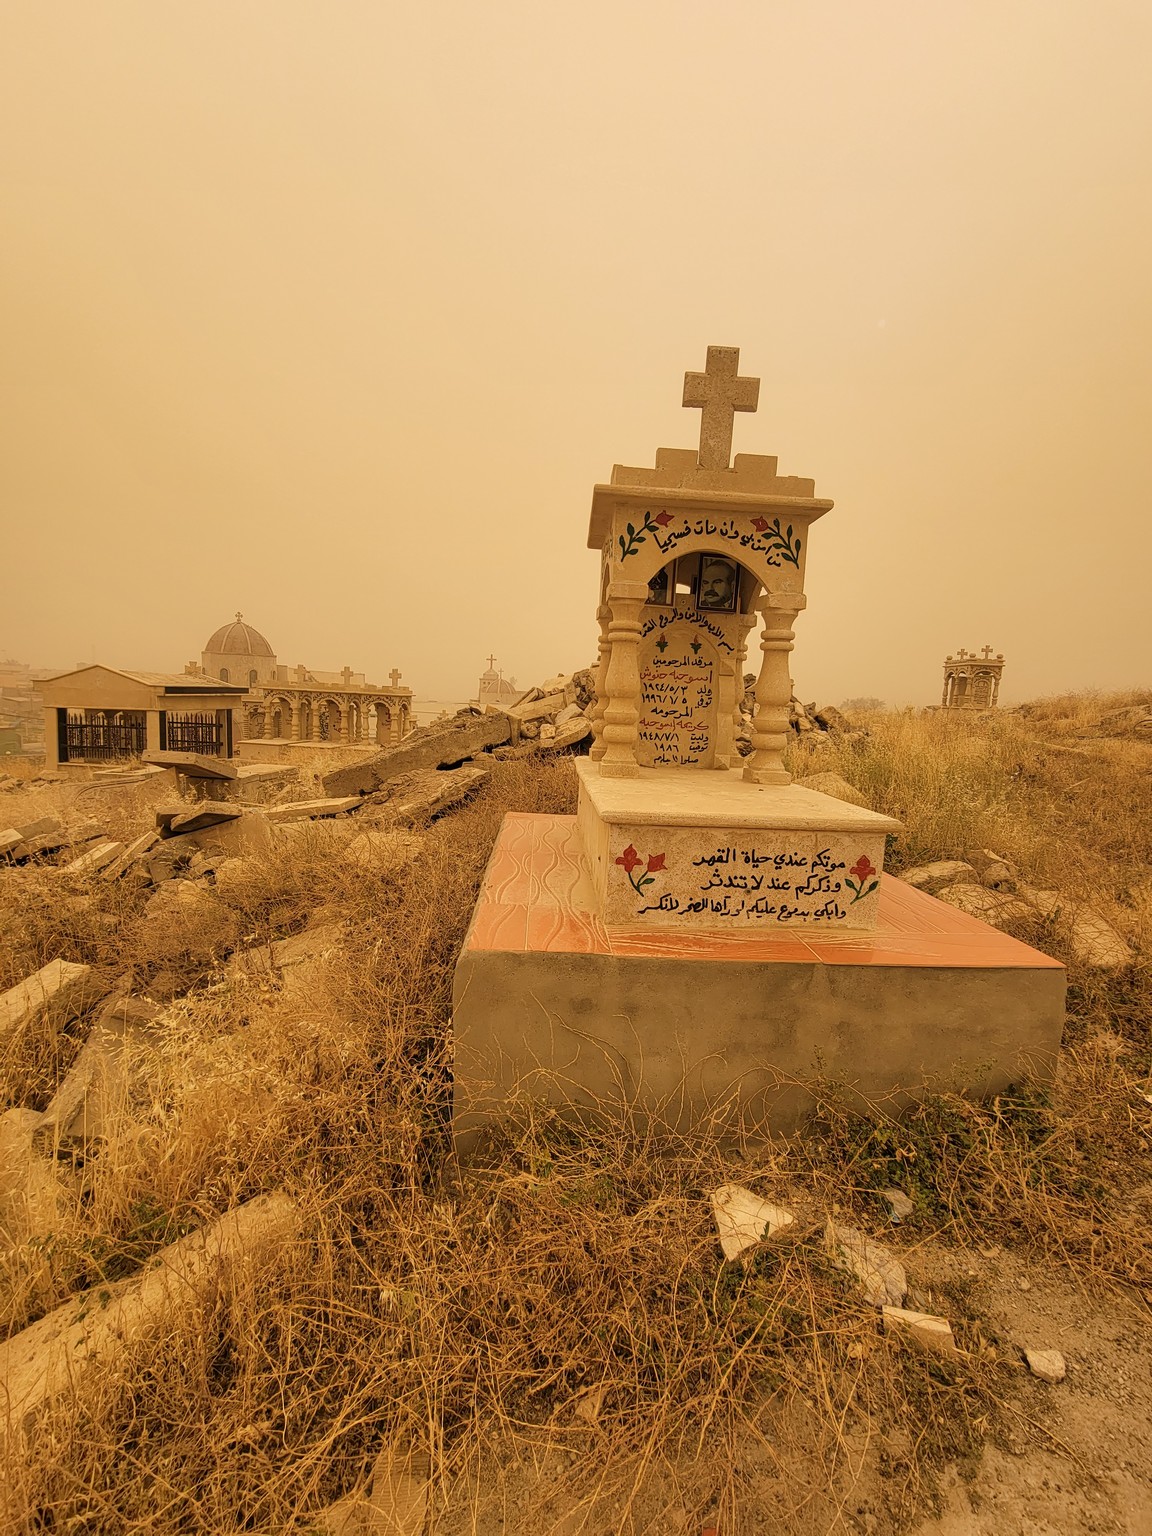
(237, 653)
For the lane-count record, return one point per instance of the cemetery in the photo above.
(642, 1048)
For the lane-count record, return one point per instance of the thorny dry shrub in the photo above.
(474, 1314)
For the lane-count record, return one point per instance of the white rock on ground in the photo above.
(934, 877)
(922, 1328)
(98, 1086)
(34, 1190)
(743, 1219)
(989, 906)
(1094, 940)
(881, 1276)
(1047, 1364)
(61, 987)
(99, 1325)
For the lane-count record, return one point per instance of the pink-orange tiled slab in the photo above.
(537, 898)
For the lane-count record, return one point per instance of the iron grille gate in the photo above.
(191, 733)
(103, 740)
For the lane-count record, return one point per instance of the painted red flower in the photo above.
(629, 858)
(664, 518)
(760, 524)
(862, 868)
(655, 862)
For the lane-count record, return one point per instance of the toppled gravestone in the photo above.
(421, 795)
(431, 747)
(99, 1325)
(98, 1086)
(61, 989)
(34, 1190)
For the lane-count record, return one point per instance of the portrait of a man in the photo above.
(717, 589)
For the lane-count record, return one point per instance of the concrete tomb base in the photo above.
(552, 1004)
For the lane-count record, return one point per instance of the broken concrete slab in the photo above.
(61, 988)
(96, 859)
(10, 840)
(98, 1086)
(923, 1328)
(1095, 942)
(271, 960)
(427, 794)
(194, 765)
(743, 1219)
(35, 1191)
(209, 813)
(99, 1325)
(832, 784)
(432, 747)
(989, 906)
(310, 810)
(136, 849)
(881, 1276)
(248, 833)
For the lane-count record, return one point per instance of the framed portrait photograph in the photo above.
(717, 584)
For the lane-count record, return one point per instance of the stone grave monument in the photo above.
(704, 931)
(971, 681)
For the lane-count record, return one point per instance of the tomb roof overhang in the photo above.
(608, 499)
(166, 682)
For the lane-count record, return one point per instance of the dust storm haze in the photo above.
(335, 314)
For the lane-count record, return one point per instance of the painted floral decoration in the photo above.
(863, 869)
(781, 544)
(635, 536)
(631, 862)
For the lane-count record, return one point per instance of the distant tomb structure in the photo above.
(495, 688)
(296, 707)
(972, 681)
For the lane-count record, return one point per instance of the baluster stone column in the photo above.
(294, 733)
(596, 751)
(778, 612)
(747, 622)
(269, 719)
(622, 679)
(345, 722)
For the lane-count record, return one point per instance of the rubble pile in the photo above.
(816, 723)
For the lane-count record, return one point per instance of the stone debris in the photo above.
(990, 906)
(1094, 941)
(99, 1325)
(98, 1086)
(10, 840)
(395, 1503)
(428, 748)
(271, 960)
(422, 795)
(192, 765)
(132, 852)
(198, 819)
(995, 871)
(61, 988)
(743, 1219)
(1048, 1364)
(881, 1276)
(308, 810)
(922, 1328)
(936, 877)
(96, 859)
(34, 1191)
(898, 1203)
(832, 784)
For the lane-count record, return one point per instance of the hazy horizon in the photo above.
(336, 314)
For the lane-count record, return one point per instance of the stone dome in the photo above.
(238, 639)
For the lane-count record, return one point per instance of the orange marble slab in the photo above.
(537, 898)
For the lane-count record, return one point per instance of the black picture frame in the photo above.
(710, 594)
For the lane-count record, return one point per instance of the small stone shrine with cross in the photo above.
(970, 681)
(703, 934)
(679, 830)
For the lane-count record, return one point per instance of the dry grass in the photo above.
(472, 1313)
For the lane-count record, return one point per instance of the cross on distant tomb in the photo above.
(239, 615)
(718, 393)
(347, 676)
(987, 652)
(961, 654)
(394, 677)
(491, 662)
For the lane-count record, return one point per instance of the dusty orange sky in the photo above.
(334, 313)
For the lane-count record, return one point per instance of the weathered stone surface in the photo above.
(34, 1190)
(538, 709)
(96, 859)
(427, 794)
(98, 1085)
(935, 877)
(10, 840)
(990, 906)
(881, 1277)
(384, 852)
(898, 1203)
(248, 833)
(270, 960)
(923, 1328)
(306, 810)
(829, 718)
(1094, 940)
(194, 766)
(832, 784)
(743, 1219)
(136, 849)
(442, 746)
(199, 818)
(995, 871)
(100, 1324)
(61, 988)
(1048, 1364)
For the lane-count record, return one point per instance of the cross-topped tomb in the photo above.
(718, 393)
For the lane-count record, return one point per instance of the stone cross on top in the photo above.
(394, 677)
(347, 676)
(718, 393)
(987, 652)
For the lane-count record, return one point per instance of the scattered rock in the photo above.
(307, 810)
(423, 795)
(384, 852)
(61, 989)
(829, 718)
(209, 813)
(898, 1203)
(881, 1276)
(935, 877)
(34, 1191)
(995, 871)
(96, 859)
(743, 1219)
(922, 1328)
(98, 1085)
(1047, 1364)
(1094, 941)
(429, 748)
